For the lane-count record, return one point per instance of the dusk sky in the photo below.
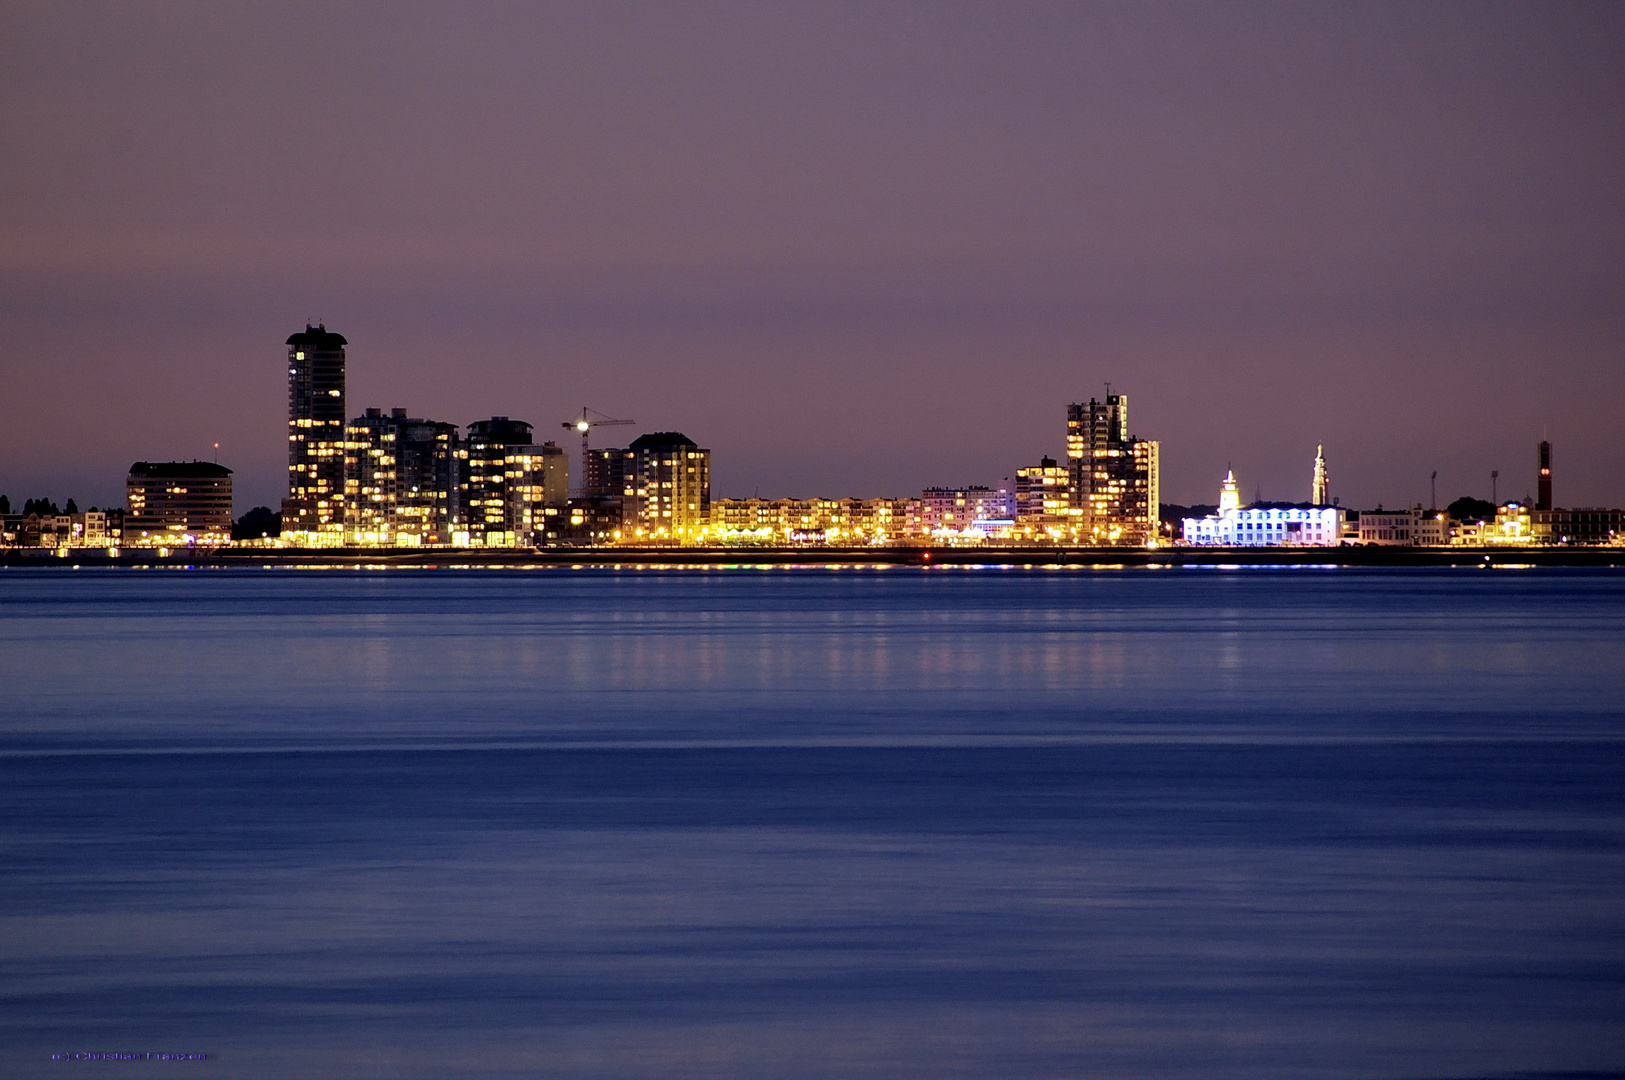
(854, 249)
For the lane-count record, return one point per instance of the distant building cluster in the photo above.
(394, 480)
(388, 480)
(1322, 523)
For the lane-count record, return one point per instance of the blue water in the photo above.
(814, 823)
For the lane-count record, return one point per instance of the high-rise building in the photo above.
(426, 479)
(484, 480)
(1114, 477)
(369, 480)
(400, 479)
(515, 493)
(1321, 487)
(314, 512)
(668, 488)
(172, 503)
(1543, 482)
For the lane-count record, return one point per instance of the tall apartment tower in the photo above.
(1320, 491)
(1114, 478)
(668, 485)
(484, 479)
(400, 479)
(515, 493)
(1543, 483)
(313, 512)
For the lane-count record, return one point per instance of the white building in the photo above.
(1264, 526)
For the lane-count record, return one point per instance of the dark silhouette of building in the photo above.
(313, 512)
(1543, 483)
(178, 502)
(606, 472)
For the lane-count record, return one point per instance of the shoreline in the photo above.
(511, 558)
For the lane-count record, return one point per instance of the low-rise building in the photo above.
(1389, 527)
(845, 522)
(1582, 525)
(1267, 525)
(592, 519)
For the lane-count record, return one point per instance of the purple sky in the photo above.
(854, 249)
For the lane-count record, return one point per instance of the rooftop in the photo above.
(660, 440)
(179, 469)
(318, 339)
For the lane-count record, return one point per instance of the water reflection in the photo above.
(1403, 858)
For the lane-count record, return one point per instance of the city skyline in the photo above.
(300, 376)
(898, 233)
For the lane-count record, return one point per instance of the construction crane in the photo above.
(584, 424)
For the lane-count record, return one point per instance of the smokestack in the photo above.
(1543, 486)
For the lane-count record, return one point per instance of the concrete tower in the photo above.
(1320, 490)
(313, 512)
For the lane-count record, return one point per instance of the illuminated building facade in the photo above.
(1268, 526)
(400, 480)
(426, 479)
(969, 513)
(1043, 494)
(1264, 525)
(93, 528)
(369, 480)
(844, 522)
(1115, 479)
(173, 503)
(537, 479)
(314, 512)
(484, 480)
(514, 493)
(668, 488)
(1320, 488)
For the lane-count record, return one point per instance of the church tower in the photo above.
(1320, 491)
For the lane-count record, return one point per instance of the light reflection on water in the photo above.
(803, 823)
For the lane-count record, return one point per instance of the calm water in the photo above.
(813, 823)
